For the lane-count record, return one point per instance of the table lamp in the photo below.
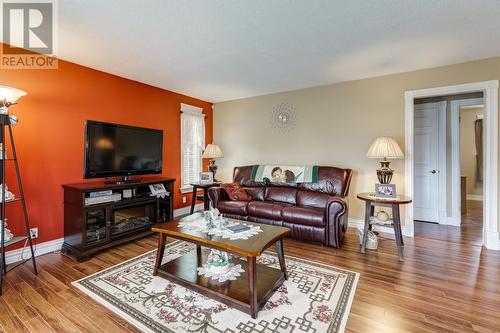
(385, 147)
(212, 152)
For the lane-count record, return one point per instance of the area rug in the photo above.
(316, 298)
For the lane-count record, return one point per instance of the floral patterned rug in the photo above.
(316, 298)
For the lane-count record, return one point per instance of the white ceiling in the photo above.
(222, 50)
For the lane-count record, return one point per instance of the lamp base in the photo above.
(212, 167)
(384, 173)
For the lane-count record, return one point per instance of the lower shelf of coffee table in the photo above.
(236, 294)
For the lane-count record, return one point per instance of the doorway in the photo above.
(489, 89)
(471, 119)
(448, 140)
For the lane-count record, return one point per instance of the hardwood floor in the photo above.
(470, 230)
(445, 285)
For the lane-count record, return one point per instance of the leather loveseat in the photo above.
(315, 212)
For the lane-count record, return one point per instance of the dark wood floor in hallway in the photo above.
(470, 231)
(447, 283)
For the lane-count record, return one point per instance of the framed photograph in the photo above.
(206, 177)
(158, 190)
(385, 190)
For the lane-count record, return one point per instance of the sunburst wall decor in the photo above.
(283, 117)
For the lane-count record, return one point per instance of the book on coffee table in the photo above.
(237, 228)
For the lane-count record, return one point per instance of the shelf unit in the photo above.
(91, 228)
(5, 124)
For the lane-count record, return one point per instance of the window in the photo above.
(192, 144)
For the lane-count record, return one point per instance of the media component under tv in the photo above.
(113, 150)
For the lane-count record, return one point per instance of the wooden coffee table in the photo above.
(246, 293)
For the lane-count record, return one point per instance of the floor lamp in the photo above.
(9, 97)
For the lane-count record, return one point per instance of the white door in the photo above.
(426, 167)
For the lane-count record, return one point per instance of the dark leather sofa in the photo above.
(315, 212)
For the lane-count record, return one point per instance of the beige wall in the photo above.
(335, 124)
(468, 150)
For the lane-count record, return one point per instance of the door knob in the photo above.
(433, 171)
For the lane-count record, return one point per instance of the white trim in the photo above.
(475, 197)
(452, 221)
(186, 190)
(186, 210)
(442, 171)
(358, 223)
(56, 244)
(409, 147)
(490, 151)
(492, 238)
(490, 97)
(456, 211)
(42, 248)
(476, 106)
(455, 107)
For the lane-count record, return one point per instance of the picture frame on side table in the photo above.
(385, 190)
(206, 177)
(158, 190)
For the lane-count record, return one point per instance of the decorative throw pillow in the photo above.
(235, 192)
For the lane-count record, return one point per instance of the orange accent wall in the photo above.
(50, 135)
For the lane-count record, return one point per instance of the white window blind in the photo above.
(193, 143)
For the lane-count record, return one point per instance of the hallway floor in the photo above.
(470, 232)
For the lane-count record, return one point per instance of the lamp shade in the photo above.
(9, 95)
(212, 151)
(385, 147)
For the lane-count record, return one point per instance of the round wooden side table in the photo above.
(370, 202)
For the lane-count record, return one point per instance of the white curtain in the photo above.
(193, 143)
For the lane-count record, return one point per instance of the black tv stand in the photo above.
(124, 180)
(90, 227)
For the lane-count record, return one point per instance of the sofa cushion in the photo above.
(233, 207)
(235, 192)
(312, 199)
(331, 180)
(306, 233)
(257, 192)
(314, 217)
(265, 209)
(281, 194)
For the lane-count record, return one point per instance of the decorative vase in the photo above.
(219, 261)
(382, 216)
(214, 219)
(220, 269)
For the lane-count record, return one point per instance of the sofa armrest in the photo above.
(336, 214)
(216, 194)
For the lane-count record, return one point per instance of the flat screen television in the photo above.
(113, 150)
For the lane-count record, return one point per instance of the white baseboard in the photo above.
(56, 244)
(186, 210)
(453, 221)
(357, 223)
(42, 248)
(492, 240)
(475, 197)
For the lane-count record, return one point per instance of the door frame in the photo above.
(456, 167)
(490, 195)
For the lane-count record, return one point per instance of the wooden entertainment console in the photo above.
(93, 227)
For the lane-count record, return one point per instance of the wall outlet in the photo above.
(34, 233)
(184, 200)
